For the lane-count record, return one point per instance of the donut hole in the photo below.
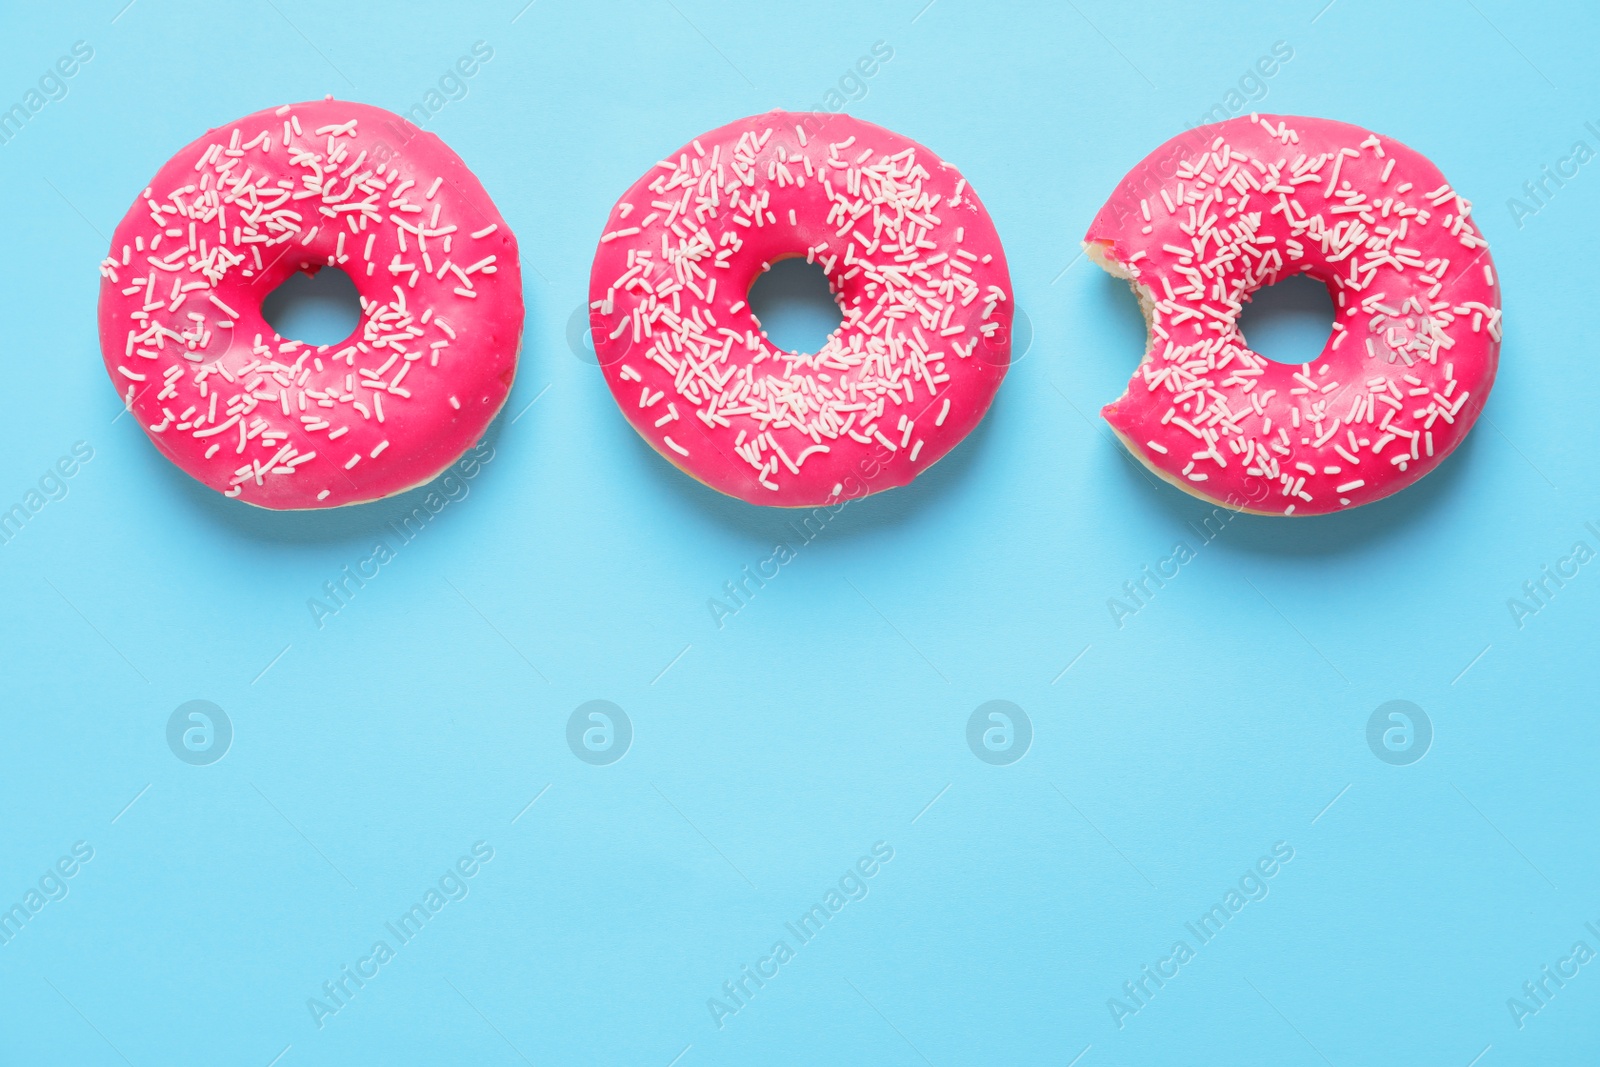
(317, 308)
(795, 306)
(1289, 322)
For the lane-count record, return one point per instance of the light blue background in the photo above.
(831, 710)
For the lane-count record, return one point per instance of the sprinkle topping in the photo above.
(1218, 213)
(263, 197)
(900, 238)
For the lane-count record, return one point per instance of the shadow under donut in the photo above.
(866, 515)
(353, 523)
(1335, 534)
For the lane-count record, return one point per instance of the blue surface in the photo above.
(768, 757)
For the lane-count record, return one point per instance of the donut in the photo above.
(276, 422)
(913, 262)
(1218, 212)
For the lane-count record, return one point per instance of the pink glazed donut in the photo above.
(912, 259)
(283, 424)
(1220, 211)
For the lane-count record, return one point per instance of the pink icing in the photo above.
(278, 423)
(1218, 212)
(913, 260)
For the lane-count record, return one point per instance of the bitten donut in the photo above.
(283, 424)
(912, 259)
(1218, 212)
